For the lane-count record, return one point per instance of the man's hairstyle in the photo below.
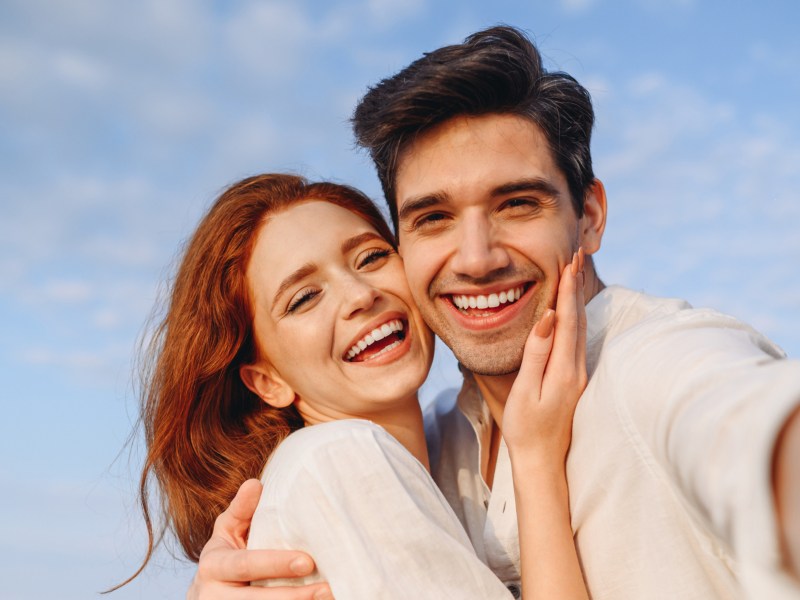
(495, 71)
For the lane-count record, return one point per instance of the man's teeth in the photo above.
(375, 335)
(491, 301)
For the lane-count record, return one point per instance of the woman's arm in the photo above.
(537, 427)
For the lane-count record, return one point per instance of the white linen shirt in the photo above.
(370, 515)
(669, 469)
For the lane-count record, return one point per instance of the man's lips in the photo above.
(490, 309)
(490, 300)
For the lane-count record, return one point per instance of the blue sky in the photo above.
(122, 121)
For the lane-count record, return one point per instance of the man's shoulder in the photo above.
(650, 331)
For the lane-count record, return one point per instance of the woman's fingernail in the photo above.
(581, 258)
(544, 327)
(574, 263)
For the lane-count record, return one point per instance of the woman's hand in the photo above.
(537, 420)
(226, 567)
(537, 427)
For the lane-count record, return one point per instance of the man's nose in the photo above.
(479, 251)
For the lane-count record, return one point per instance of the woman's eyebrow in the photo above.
(297, 275)
(355, 241)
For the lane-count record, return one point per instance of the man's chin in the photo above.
(489, 364)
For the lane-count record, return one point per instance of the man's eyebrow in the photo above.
(297, 275)
(527, 185)
(421, 203)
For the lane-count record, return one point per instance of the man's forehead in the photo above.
(486, 151)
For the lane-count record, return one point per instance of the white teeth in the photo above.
(375, 335)
(491, 301)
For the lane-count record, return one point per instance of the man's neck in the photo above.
(494, 390)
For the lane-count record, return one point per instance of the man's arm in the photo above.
(226, 567)
(708, 398)
(786, 485)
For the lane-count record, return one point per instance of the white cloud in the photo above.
(62, 291)
(391, 12)
(577, 6)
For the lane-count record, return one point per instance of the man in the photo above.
(682, 470)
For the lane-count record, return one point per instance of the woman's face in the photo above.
(334, 318)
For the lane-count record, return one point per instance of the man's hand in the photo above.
(226, 567)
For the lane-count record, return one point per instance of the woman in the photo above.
(290, 308)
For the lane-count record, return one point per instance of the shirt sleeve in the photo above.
(703, 398)
(370, 515)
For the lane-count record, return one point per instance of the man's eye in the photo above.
(522, 205)
(429, 220)
(518, 202)
(303, 298)
(374, 255)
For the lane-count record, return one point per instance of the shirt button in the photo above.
(514, 589)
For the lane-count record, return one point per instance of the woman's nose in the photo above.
(359, 295)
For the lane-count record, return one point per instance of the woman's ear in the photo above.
(593, 221)
(267, 384)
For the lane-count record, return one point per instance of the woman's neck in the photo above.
(407, 427)
(403, 421)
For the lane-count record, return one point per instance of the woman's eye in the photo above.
(374, 256)
(299, 301)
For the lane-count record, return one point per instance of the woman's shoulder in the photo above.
(330, 451)
(343, 433)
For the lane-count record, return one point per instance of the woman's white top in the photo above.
(369, 514)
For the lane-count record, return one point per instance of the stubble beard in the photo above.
(489, 353)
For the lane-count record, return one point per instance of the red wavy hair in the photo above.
(205, 432)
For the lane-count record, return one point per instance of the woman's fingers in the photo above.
(536, 355)
(582, 325)
(564, 357)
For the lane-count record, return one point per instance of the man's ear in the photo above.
(265, 382)
(593, 222)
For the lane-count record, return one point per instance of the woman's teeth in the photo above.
(491, 301)
(377, 334)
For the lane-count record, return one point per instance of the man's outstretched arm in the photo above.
(226, 567)
(786, 484)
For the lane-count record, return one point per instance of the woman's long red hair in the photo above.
(205, 432)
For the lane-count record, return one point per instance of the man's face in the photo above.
(486, 226)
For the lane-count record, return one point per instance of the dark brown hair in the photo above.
(497, 70)
(206, 432)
